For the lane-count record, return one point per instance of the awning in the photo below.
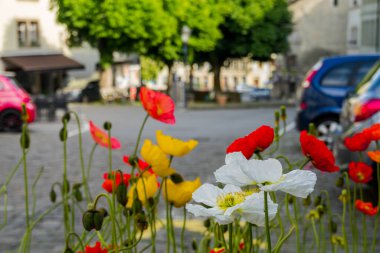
(30, 63)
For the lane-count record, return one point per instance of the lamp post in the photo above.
(185, 36)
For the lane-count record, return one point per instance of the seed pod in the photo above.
(63, 134)
(103, 211)
(53, 195)
(121, 194)
(98, 220)
(107, 125)
(176, 178)
(88, 220)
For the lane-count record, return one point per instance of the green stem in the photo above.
(168, 239)
(90, 162)
(65, 183)
(303, 164)
(355, 232)
(139, 135)
(295, 209)
(249, 246)
(267, 228)
(364, 223)
(84, 178)
(286, 161)
(78, 238)
(316, 237)
(183, 230)
(172, 229)
(230, 238)
(25, 168)
(344, 227)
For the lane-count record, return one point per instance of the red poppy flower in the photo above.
(358, 142)
(221, 250)
(140, 163)
(373, 132)
(115, 175)
(374, 155)
(366, 207)
(158, 105)
(360, 172)
(257, 141)
(96, 249)
(262, 137)
(101, 137)
(319, 155)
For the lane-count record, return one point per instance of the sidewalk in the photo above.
(241, 105)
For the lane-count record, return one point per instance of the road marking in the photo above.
(289, 127)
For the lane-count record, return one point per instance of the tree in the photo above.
(202, 17)
(254, 29)
(115, 25)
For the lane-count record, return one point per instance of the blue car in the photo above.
(325, 87)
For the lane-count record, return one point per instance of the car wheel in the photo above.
(10, 120)
(326, 130)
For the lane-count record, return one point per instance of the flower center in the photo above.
(360, 176)
(231, 199)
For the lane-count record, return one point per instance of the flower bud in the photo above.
(207, 223)
(194, 245)
(313, 130)
(66, 117)
(317, 200)
(98, 220)
(107, 125)
(78, 195)
(224, 228)
(137, 206)
(277, 118)
(121, 194)
(151, 202)
(321, 209)
(340, 182)
(88, 220)
(290, 200)
(25, 138)
(337, 240)
(24, 114)
(343, 196)
(68, 250)
(63, 134)
(133, 161)
(176, 178)
(313, 214)
(103, 211)
(142, 223)
(53, 195)
(66, 186)
(333, 227)
(307, 201)
(283, 113)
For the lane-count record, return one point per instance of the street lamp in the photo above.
(185, 36)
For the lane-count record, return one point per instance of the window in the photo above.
(28, 34)
(362, 71)
(338, 76)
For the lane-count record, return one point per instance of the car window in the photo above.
(369, 80)
(362, 71)
(338, 76)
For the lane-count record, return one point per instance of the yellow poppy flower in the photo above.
(156, 158)
(173, 146)
(146, 188)
(181, 193)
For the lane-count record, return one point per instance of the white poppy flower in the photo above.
(267, 174)
(228, 203)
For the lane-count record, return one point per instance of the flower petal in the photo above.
(235, 157)
(232, 174)
(262, 171)
(231, 188)
(252, 209)
(207, 194)
(299, 183)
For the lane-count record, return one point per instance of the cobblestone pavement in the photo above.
(214, 129)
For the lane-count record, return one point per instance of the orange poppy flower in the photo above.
(115, 175)
(257, 141)
(101, 137)
(158, 105)
(358, 142)
(374, 155)
(360, 172)
(96, 249)
(320, 156)
(366, 207)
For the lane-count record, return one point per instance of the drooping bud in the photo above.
(317, 200)
(321, 209)
(133, 161)
(69, 250)
(121, 194)
(53, 195)
(307, 201)
(25, 138)
(142, 223)
(207, 223)
(88, 220)
(283, 113)
(98, 220)
(176, 178)
(290, 200)
(344, 196)
(137, 206)
(194, 245)
(313, 130)
(78, 195)
(340, 182)
(107, 125)
(66, 117)
(337, 240)
(276, 118)
(333, 227)
(63, 134)
(313, 214)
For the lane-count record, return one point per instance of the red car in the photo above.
(11, 99)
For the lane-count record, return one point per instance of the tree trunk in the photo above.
(217, 66)
(170, 79)
(105, 72)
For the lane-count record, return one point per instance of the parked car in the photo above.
(89, 93)
(361, 109)
(324, 88)
(249, 93)
(12, 96)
